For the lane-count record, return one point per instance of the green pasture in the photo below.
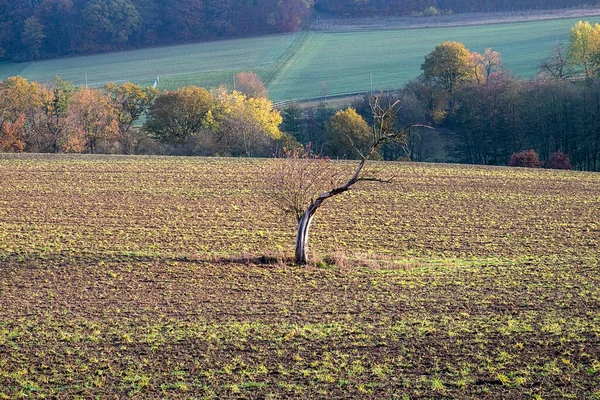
(306, 64)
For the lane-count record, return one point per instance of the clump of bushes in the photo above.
(558, 160)
(525, 158)
(431, 12)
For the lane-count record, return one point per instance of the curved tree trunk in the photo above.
(302, 233)
(380, 135)
(307, 217)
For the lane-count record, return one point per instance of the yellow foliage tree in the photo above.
(244, 125)
(348, 135)
(20, 98)
(448, 64)
(584, 47)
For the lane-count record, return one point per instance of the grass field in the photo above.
(158, 277)
(307, 64)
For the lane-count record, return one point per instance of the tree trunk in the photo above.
(302, 234)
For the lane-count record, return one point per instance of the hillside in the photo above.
(34, 30)
(309, 63)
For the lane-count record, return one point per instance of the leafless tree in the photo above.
(556, 66)
(303, 179)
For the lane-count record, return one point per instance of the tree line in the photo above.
(484, 114)
(58, 117)
(34, 29)
(429, 7)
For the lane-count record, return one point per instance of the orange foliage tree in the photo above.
(91, 119)
(20, 100)
(250, 84)
(11, 135)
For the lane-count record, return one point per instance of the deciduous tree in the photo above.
(55, 98)
(448, 64)
(131, 101)
(556, 66)
(348, 135)
(244, 126)
(250, 84)
(11, 135)
(91, 119)
(486, 64)
(525, 158)
(177, 115)
(558, 160)
(18, 97)
(584, 47)
(302, 178)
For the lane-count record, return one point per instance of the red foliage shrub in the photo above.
(558, 160)
(11, 139)
(525, 158)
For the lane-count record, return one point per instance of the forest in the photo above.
(41, 29)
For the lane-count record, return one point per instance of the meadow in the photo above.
(308, 63)
(167, 277)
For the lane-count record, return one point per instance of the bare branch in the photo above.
(373, 179)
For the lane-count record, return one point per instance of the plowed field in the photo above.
(155, 277)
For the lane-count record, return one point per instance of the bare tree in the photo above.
(302, 176)
(556, 66)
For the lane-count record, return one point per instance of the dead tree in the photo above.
(315, 170)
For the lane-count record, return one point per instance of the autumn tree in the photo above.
(559, 160)
(289, 14)
(55, 97)
(348, 135)
(448, 64)
(584, 47)
(250, 84)
(18, 97)
(131, 101)
(244, 126)
(486, 64)
(91, 119)
(177, 115)
(11, 135)
(302, 183)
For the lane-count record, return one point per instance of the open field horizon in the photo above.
(169, 277)
(183, 195)
(306, 64)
